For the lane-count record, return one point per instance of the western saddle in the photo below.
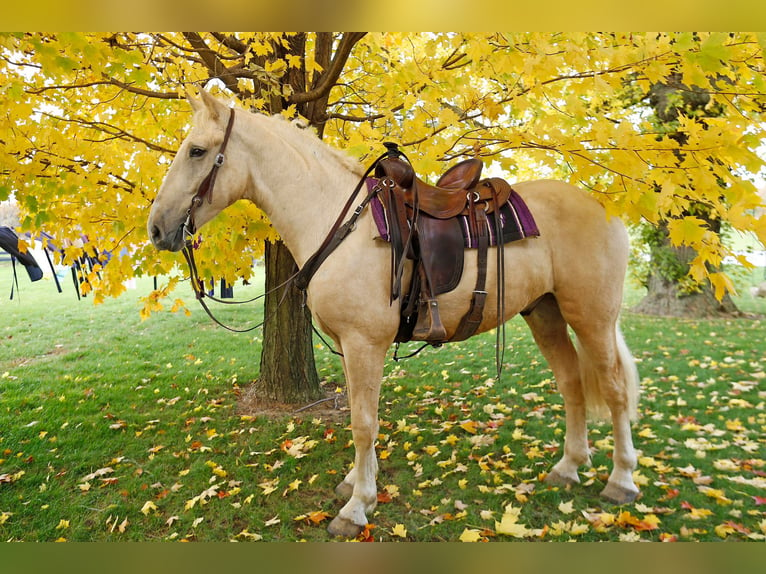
(424, 227)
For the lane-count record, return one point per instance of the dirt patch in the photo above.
(57, 350)
(333, 407)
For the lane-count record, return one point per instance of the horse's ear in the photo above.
(209, 101)
(193, 100)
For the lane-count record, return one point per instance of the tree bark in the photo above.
(664, 298)
(665, 293)
(287, 374)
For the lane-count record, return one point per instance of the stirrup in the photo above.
(429, 326)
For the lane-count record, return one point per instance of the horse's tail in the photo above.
(595, 403)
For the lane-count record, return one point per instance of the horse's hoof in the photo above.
(344, 528)
(555, 478)
(619, 494)
(344, 490)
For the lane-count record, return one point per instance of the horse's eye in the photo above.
(197, 152)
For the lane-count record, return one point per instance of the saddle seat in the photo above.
(424, 227)
(450, 196)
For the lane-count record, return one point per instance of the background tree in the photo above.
(666, 274)
(91, 122)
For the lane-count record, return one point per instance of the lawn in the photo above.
(118, 429)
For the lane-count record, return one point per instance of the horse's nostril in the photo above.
(156, 233)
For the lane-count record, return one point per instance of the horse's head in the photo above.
(192, 165)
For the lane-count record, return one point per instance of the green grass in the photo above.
(114, 429)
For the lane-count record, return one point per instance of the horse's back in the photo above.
(569, 218)
(588, 250)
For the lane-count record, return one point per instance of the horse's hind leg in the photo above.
(550, 332)
(610, 377)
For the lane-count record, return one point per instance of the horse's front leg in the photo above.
(364, 371)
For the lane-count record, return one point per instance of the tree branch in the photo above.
(108, 82)
(330, 76)
(114, 132)
(216, 68)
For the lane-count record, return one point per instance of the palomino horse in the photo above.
(570, 276)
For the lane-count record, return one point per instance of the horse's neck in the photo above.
(299, 185)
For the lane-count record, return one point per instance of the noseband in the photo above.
(205, 188)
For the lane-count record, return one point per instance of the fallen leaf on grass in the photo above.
(695, 513)
(366, 534)
(469, 427)
(471, 535)
(250, 535)
(399, 530)
(148, 507)
(627, 520)
(315, 517)
(510, 525)
(567, 507)
(97, 473)
(716, 494)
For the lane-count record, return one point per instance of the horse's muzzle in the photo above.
(173, 241)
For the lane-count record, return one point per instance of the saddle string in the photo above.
(500, 340)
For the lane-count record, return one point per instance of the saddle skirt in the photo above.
(516, 221)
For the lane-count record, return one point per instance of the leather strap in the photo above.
(339, 230)
(205, 188)
(473, 317)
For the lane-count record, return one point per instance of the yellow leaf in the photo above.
(716, 494)
(722, 284)
(294, 485)
(567, 507)
(640, 479)
(686, 231)
(510, 527)
(699, 513)
(148, 507)
(577, 529)
(469, 427)
(400, 531)
(470, 535)
(62, 525)
(250, 535)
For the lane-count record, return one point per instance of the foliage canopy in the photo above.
(92, 121)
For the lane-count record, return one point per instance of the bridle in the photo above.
(189, 228)
(205, 188)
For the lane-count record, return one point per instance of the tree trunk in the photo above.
(664, 298)
(288, 374)
(667, 292)
(665, 288)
